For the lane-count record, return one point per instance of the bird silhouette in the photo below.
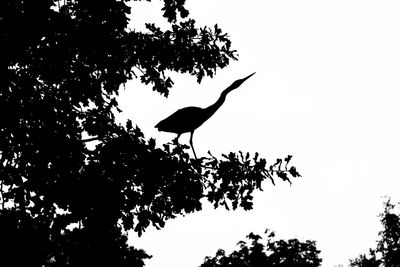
(188, 119)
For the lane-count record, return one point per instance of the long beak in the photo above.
(248, 76)
(237, 83)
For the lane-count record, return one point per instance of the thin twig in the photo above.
(1, 193)
(90, 139)
(140, 70)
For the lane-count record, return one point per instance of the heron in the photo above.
(188, 119)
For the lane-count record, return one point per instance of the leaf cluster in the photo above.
(271, 252)
(387, 251)
(237, 175)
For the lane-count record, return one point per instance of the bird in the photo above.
(188, 119)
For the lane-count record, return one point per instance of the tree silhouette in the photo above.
(387, 251)
(64, 203)
(255, 253)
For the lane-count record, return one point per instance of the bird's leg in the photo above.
(191, 144)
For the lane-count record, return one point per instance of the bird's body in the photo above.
(180, 121)
(190, 118)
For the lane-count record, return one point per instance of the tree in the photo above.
(290, 253)
(63, 63)
(387, 251)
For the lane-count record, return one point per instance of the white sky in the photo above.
(326, 91)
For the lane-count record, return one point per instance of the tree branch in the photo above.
(1, 195)
(90, 139)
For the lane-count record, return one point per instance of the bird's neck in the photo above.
(214, 107)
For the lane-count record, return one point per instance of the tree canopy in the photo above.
(387, 251)
(63, 63)
(271, 253)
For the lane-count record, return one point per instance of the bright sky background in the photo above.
(326, 91)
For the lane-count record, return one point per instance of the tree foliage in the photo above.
(64, 203)
(387, 251)
(272, 252)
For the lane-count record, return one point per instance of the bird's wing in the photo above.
(181, 121)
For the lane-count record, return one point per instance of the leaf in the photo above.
(294, 172)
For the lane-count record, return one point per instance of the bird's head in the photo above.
(239, 82)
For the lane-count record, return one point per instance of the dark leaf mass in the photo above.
(387, 251)
(270, 253)
(73, 182)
